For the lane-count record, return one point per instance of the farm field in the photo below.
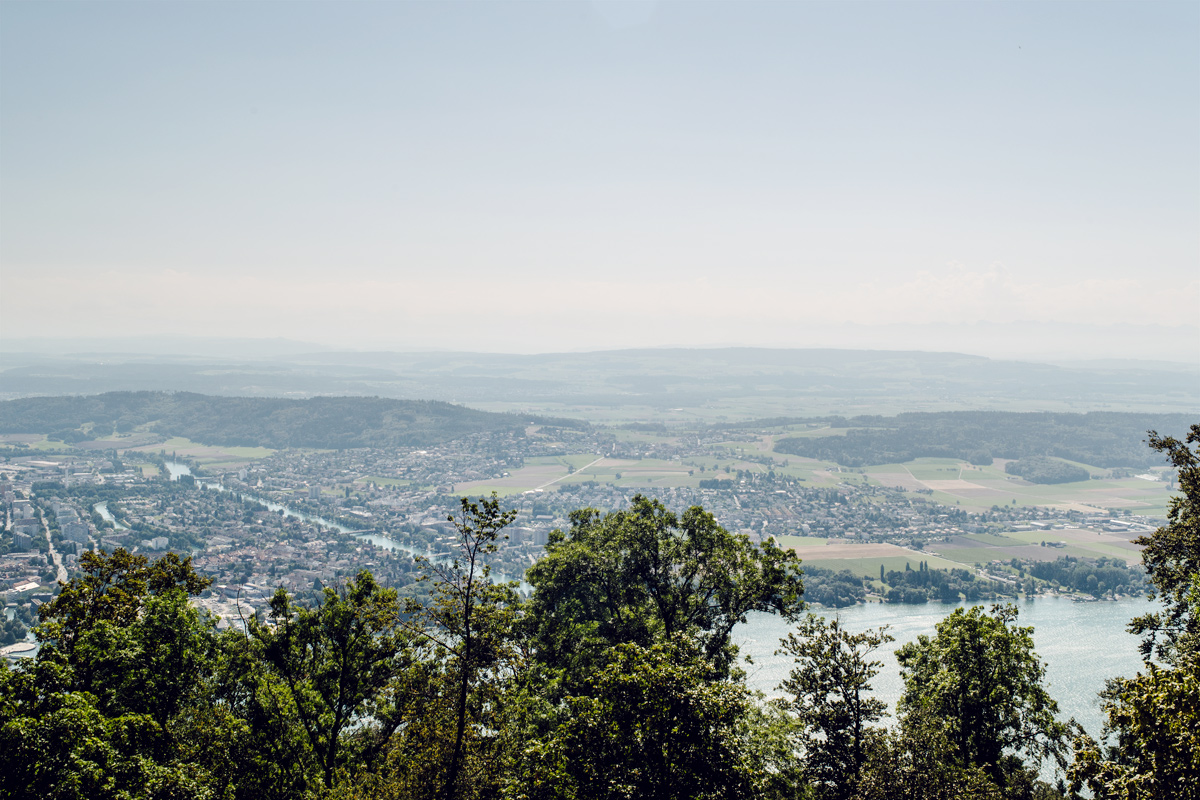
(861, 559)
(964, 551)
(1078, 542)
(977, 488)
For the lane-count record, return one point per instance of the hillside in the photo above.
(1102, 439)
(319, 422)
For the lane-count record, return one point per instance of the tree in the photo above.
(336, 663)
(471, 618)
(645, 575)
(981, 674)
(650, 724)
(1171, 556)
(107, 599)
(1153, 719)
(829, 687)
(117, 702)
(917, 761)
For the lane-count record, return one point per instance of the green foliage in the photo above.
(1153, 719)
(471, 622)
(644, 575)
(55, 743)
(1086, 575)
(336, 664)
(981, 675)
(1104, 439)
(320, 422)
(122, 621)
(649, 723)
(829, 688)
(1171, 556)
(918, 761)
(1039, 469)
(834, 589)
(916, 586)
(109, 708)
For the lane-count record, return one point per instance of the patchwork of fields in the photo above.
(978, 488)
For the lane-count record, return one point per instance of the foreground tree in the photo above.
(1153, 719)
(118, 701)
(829, 688)
(1171, 556)
(650, 724)
(917, 761)
(630, 641)
(470, 622)
(981, 675)
(334, 666)
(645, 575)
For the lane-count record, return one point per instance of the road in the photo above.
(62, 571)
(569, 474)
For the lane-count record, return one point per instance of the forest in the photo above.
(319, 422)
(616, 678)
(1102, 439)
(1039, 469)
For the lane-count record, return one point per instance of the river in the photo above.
(176, 469)
(106, 515)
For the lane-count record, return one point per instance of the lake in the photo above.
(1082, 645)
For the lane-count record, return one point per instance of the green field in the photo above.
(381, 481)
(800, 543)
(993, 539)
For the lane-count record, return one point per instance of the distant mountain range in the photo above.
(721, 384)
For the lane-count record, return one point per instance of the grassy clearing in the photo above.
(47, 445)
(575, 460)
(969, 556)
(801, 542)
(248, 452)
(381, 481)
(935, 469)
(993, 539)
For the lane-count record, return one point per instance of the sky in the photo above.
(1012, 178)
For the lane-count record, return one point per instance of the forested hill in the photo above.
(320, 422)
(1101, 439)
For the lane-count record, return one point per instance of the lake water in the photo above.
(1082, 645)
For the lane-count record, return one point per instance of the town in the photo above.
(302, 519)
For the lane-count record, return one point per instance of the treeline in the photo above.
(1102, 439)
(842, 588)
(318, 422)
(1093, 577)
(949, 586)
(1039, 469)
(833, 588)
(617, 679)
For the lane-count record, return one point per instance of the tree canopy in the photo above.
(981, 675)
(645, 574)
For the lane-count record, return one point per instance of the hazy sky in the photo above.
(555, 175)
